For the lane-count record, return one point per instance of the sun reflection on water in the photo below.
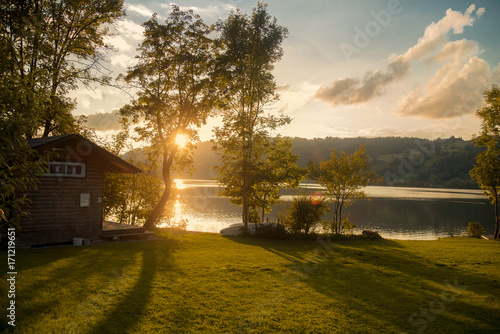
(179, 184)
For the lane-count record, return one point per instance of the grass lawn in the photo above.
(207, 283)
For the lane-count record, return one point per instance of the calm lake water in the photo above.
(396, 213)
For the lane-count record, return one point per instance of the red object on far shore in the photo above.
(316, 198)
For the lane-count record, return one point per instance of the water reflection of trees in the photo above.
(444, 216)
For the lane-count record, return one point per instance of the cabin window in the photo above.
(66, 169)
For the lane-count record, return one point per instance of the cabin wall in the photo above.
(55, 213)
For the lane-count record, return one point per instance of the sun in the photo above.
(181, 140)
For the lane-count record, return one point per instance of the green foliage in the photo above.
(175, 90)
(339, 227)
(278, 169)
(251, 44)
(487, 170)
(343, 176)
(274, 169)
(48, 47)
(475, 230)
(20, 168)
(130, 198)
(305, 216)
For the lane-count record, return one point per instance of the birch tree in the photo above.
(251, 44)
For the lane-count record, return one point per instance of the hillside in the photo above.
(411, 162)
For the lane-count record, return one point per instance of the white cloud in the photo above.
(217, 10)
(140, 9)
(126, 33)
(495, 75)
(127, 36)
(292, 97)
(123, 60)
(130, 29)
(456, 50)
(451, 92)
(455, 90)
(435, 35)
(119, 43)
(480, 12)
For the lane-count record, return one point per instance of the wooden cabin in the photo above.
(68, 201)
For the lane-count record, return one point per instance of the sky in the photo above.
(350, 68)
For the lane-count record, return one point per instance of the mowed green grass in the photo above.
(207, 283)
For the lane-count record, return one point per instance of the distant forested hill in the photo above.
(411, 162)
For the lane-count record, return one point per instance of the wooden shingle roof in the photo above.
(78, 148)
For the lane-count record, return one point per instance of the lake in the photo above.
(395, 212)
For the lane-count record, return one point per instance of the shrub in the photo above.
(475, 230)
(304, 216)
(270, 230)
(343, 227)
(371, 234)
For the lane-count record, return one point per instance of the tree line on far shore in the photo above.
(403, 161)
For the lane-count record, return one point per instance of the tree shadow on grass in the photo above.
(381, 286)
(133, 304)
(96, 289)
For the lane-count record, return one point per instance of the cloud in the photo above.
(284, 88)
(435, 35)
(351, 91)
(455, 90)
(212, 11)
(456, 87)
(480, 12)
(123, 60)
(456, 51)
(130, 29)
(495, 75)
(293, 97)
(140, 9)
(104, 121)
(127, 36)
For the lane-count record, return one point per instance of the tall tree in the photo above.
(343, 176)
(486, 172)
(46, 48)
(50, 46)
(251, 45)
(175, 92)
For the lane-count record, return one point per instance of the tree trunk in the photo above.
(245, 186)
(497, 236)
(341, 225)
(167, 180)
(46, 130)
(336, 218)
(245, 200)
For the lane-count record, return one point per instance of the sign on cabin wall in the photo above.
(84, 200)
